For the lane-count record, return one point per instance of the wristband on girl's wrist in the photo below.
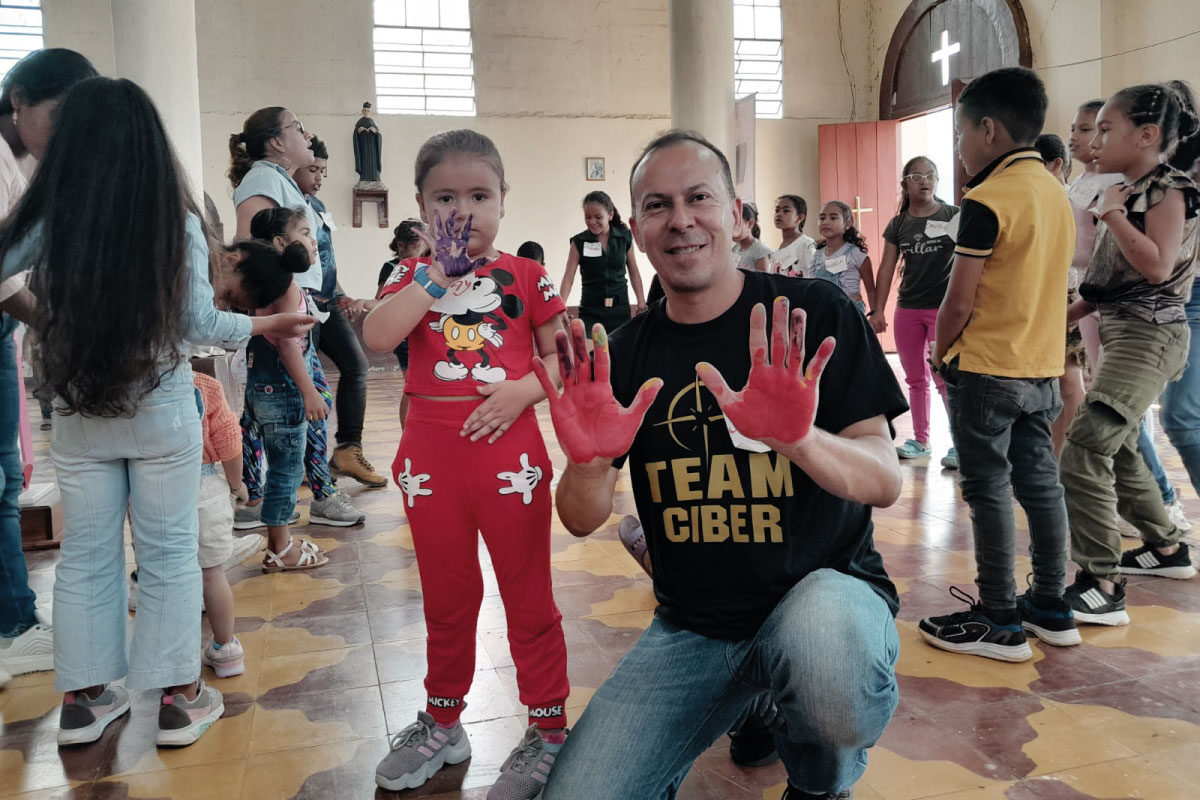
(421, 277)
(1101, 213)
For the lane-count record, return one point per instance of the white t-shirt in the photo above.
(794, 260)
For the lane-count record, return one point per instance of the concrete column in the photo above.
(702, 69)
(155, 43)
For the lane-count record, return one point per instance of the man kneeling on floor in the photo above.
(756, 504)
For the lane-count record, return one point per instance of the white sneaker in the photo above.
(1125, 529)
(4, 678)
(244, 547)
(335, 510)
(1177, 517)
(32, 651)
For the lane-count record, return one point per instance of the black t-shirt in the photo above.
(602, 269)
(928, 252)
(730, 532)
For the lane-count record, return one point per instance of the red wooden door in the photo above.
(860, 165)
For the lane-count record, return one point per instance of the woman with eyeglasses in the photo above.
(917, 235)
(271, 147)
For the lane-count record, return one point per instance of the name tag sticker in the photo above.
(935, 228)
(952, 227)
(836, 265)
(327, 218)
(743, 442)
(592, 250)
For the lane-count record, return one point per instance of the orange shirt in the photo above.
(222, 431)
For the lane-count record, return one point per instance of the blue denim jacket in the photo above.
(324, 249)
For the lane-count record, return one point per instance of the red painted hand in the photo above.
(779, 403)
(590, 423)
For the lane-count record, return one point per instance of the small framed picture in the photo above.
(594, 168)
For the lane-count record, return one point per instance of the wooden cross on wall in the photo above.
(858, 211)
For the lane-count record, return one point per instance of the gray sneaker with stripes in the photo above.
(523, 774)
(420, 750)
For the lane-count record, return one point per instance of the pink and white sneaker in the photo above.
(226, 659)
(182, 721)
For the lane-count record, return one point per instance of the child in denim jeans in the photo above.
(280, 395)
(1000, 352)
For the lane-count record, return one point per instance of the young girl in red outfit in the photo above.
(472, 460)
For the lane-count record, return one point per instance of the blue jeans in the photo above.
(826, 655)
(273, 402)
(150, 466)
(1001, 428)
(16, 598)
(1145, 446)
(1181, 399)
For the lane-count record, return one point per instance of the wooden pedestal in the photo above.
(377, 196)
(41, 518)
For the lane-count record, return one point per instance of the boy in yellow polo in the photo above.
(1000, 339)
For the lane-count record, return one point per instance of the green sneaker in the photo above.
(913, 449)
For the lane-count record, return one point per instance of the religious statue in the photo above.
(368, 146)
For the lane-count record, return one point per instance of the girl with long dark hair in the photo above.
(917, 241)
(29, 99)
(120, 269)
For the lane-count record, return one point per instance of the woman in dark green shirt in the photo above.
(603, 254)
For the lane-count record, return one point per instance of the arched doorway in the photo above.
(938, 46)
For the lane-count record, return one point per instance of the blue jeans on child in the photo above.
(1181, 399)
(826, 655)
(150, 465)
(1001, 428)
(16, 598)
(273, 401)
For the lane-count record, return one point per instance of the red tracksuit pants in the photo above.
(453, 490)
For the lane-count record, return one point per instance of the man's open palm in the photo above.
(590, 423)
(778, 404)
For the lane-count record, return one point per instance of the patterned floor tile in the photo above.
(335, 664)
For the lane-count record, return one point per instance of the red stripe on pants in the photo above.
(453, 490)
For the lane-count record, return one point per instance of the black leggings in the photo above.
(336, 338)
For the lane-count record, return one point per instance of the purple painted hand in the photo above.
(449, 248)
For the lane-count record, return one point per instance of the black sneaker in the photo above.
(1053, 625)
(1091, 604)
(792, 793)
(1146, 560)
(751, 743)
(973, 632)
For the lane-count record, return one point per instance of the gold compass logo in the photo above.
(690, 413)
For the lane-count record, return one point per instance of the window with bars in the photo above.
(20, 31)
(758, 55)
(423, 60)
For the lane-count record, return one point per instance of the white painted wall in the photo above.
(558, 80)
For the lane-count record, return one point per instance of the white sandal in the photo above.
(308, 559)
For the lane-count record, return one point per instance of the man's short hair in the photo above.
(678, 136)
(1014, 96)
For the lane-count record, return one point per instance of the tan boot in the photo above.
(348, 460)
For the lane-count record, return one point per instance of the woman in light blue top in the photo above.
(272, 145)
(842, 257)
(263, 157)
(120, 266)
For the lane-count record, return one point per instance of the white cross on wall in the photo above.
(943, 55)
